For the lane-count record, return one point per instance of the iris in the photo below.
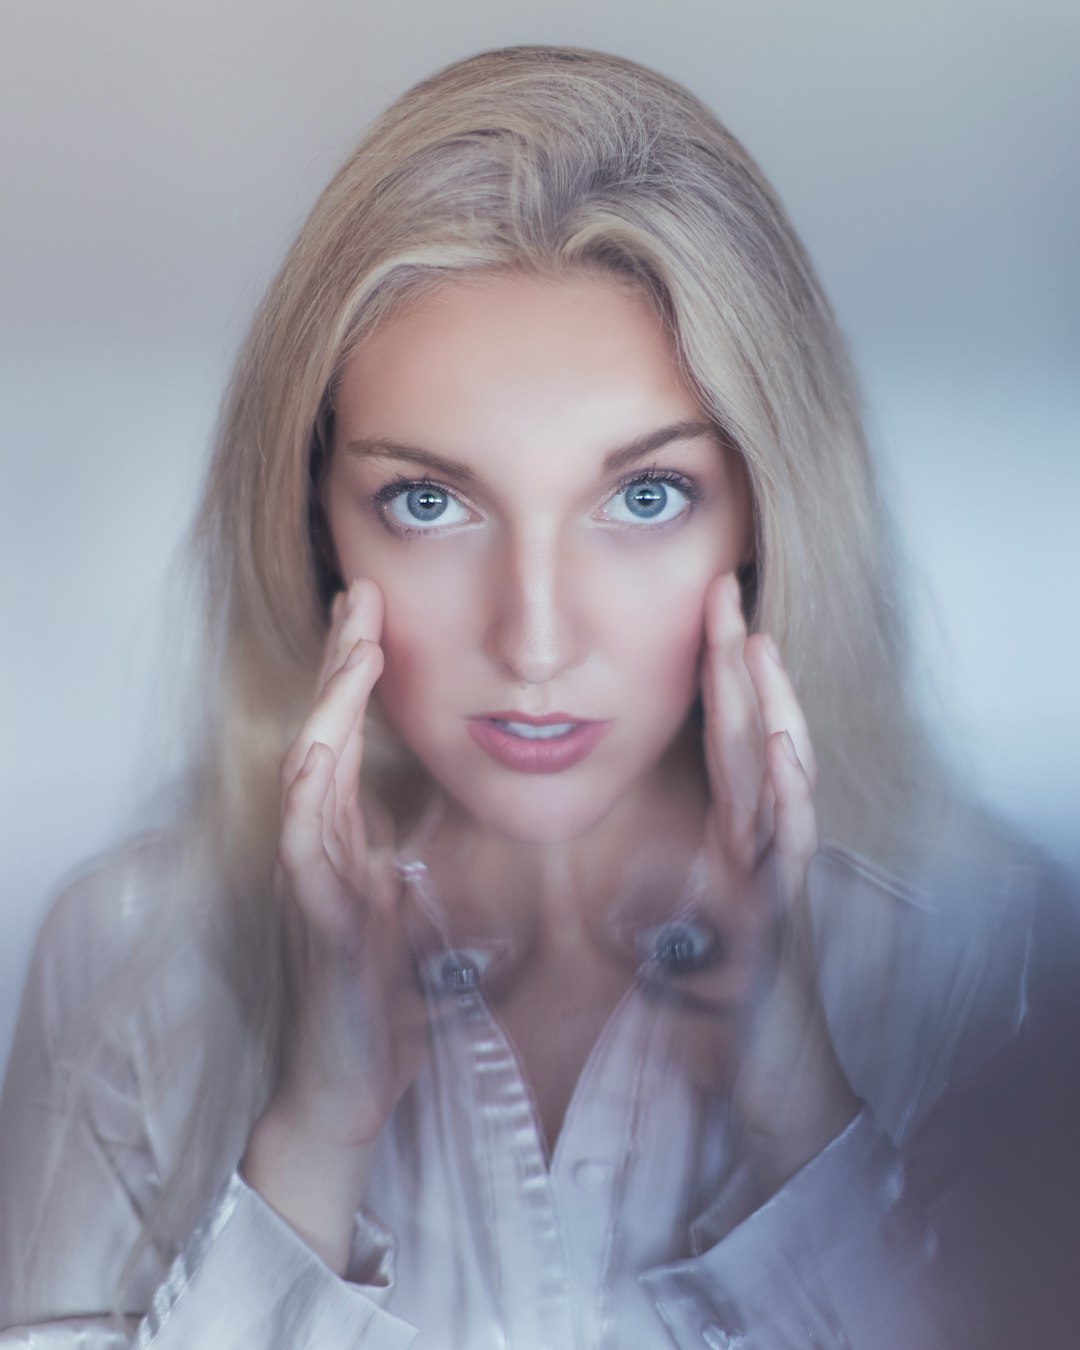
(646, 499)
(426, 503)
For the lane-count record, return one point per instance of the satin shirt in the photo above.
(642, 1230)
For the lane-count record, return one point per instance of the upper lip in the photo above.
(548, 719)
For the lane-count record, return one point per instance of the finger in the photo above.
(337, 720)
(312, 879)
(734, 744)
(357, 613)
(338, 610)
(778, 703)
(341, 703)
(350, 760)
(795, 837)
(363, 616)
(351, 753)
(344, 846)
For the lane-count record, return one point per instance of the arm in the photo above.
(78, 1176)
(966, 1232)
(355, 1029)
(841, 1257)
(852, 1243)
(968, 1236)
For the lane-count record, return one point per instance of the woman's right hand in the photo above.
(354, 1023)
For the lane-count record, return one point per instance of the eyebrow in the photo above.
(619, 458)
(652, 441)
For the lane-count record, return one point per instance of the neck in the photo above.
(647, 838)
(560, 917)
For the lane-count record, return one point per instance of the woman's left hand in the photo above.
(789, 1092)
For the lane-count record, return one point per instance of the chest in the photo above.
(553, 1020)
(502, 1243)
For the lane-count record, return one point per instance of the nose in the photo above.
(536, 629)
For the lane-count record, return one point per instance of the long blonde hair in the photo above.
(547, 160)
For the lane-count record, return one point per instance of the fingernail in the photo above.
(788, 746)
(309, 760)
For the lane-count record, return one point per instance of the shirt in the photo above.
(642, 1231)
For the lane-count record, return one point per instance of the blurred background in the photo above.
(156, 158)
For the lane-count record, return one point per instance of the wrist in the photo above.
(312, 1179)
(776, 1153)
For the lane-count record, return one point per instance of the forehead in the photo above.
(510, 365)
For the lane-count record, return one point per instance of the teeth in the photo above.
(529, 732)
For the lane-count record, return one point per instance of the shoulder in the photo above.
(104, 914)
(978, 884)
(129, 990)
(112, 897)
(927, 975)
(122, 935)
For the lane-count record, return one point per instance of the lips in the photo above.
(525, 744)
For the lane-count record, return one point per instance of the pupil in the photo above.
(458, 973)
(646, 499)
(426, 503)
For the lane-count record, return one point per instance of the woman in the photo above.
(561, 1029)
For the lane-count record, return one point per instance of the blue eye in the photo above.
(680, 947)
(651, 500)
(646, 499)
(417, 505)
(425, 503)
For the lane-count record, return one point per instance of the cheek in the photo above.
(672, 658)
(656, 623)
(431, 626)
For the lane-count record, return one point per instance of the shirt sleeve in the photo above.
(245, 1279)
(842, 1256)
(965, 1234)
(78, 1174)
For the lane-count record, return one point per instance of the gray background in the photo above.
(156, 158)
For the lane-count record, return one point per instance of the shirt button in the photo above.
(591, 1175)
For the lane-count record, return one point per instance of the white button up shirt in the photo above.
(641, 1231)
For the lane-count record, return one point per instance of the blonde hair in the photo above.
(549, 160)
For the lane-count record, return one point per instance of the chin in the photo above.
(532, 822)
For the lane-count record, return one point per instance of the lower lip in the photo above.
(536, 756)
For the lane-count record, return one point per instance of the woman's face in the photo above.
(519, 466)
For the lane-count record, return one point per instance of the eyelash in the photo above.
(400, 484)
(396, 487)
(686, 486)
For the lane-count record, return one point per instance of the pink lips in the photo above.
(551, 754)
